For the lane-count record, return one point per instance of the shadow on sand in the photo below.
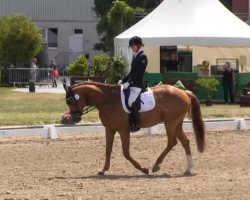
(124, 177)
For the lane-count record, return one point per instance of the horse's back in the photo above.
(172, 97)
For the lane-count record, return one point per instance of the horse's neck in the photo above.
(92, 94)
(99, 95)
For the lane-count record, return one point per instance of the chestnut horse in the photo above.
(172, 105)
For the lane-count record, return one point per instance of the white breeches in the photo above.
(134, 93)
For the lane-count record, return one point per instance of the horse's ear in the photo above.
(69, 92)
(65, 86)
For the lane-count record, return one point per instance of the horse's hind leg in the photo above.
(186, 145)
(125, 139)
(110, 134)
(172, 141)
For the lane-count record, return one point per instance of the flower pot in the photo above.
(32, 86)
(209, 101)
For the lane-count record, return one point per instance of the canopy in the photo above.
(188, 22)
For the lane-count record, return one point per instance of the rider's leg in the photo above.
(134, 118)
(134, 93)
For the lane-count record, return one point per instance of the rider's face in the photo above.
(135, 48)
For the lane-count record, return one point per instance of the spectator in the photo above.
(227, 81)
(55, 74)
(172, 64)
(33, 69)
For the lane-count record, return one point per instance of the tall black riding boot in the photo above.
(134, 118)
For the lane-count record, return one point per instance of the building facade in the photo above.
(68, 27)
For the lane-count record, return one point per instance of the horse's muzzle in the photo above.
(76, 117)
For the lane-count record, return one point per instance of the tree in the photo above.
(227, 3)
(120, 17)
(20, 40)
(109, 27)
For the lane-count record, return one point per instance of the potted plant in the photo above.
(210, 85)
(32, 86)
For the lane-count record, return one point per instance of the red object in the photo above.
(55, 74)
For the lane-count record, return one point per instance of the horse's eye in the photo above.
(69, 101)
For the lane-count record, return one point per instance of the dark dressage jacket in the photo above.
(138, 67)
(228, 76)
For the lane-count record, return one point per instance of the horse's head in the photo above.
(76, 103)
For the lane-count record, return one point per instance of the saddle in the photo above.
(144, 102)
(137, 102)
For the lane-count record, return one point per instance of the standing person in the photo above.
(227, 81)
(33, 69)
(134, 80)
(55, 74)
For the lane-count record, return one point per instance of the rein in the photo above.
(88, 109)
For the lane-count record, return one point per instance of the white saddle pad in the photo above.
(147, 101)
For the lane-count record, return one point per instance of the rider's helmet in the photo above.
(135, 41)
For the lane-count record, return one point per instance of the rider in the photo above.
(134, 80)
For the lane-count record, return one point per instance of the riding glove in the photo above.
(125, 85)
(119, 82)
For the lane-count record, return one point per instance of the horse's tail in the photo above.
(198, 123)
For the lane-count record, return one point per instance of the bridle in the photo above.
(74, 99)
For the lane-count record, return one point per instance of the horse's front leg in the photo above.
(125, 139)
(110, 134)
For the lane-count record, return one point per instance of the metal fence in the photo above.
(22, 76)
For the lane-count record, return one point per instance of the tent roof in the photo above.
(189, 22)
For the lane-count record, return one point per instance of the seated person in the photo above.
(172, 64)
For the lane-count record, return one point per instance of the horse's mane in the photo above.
(98, 84)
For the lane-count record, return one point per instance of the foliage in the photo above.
(209, 84)
(20, 39)
(117, 16)
(101, 64)
(111, 68)
(117, 69)
(79, 67)
(120, 16)
(227, 4)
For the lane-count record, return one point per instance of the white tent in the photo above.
(187, 23)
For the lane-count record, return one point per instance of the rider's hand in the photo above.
(119, 82)
(125, 85)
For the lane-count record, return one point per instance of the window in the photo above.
(173, 59)
(78, 31)
(52, 37)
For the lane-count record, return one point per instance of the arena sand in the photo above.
(66, 168)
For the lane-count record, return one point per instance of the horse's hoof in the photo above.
(145, 170)
(156, 168)
(188, 173)
(100, 173)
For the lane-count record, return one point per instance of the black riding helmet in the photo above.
(135, 41)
